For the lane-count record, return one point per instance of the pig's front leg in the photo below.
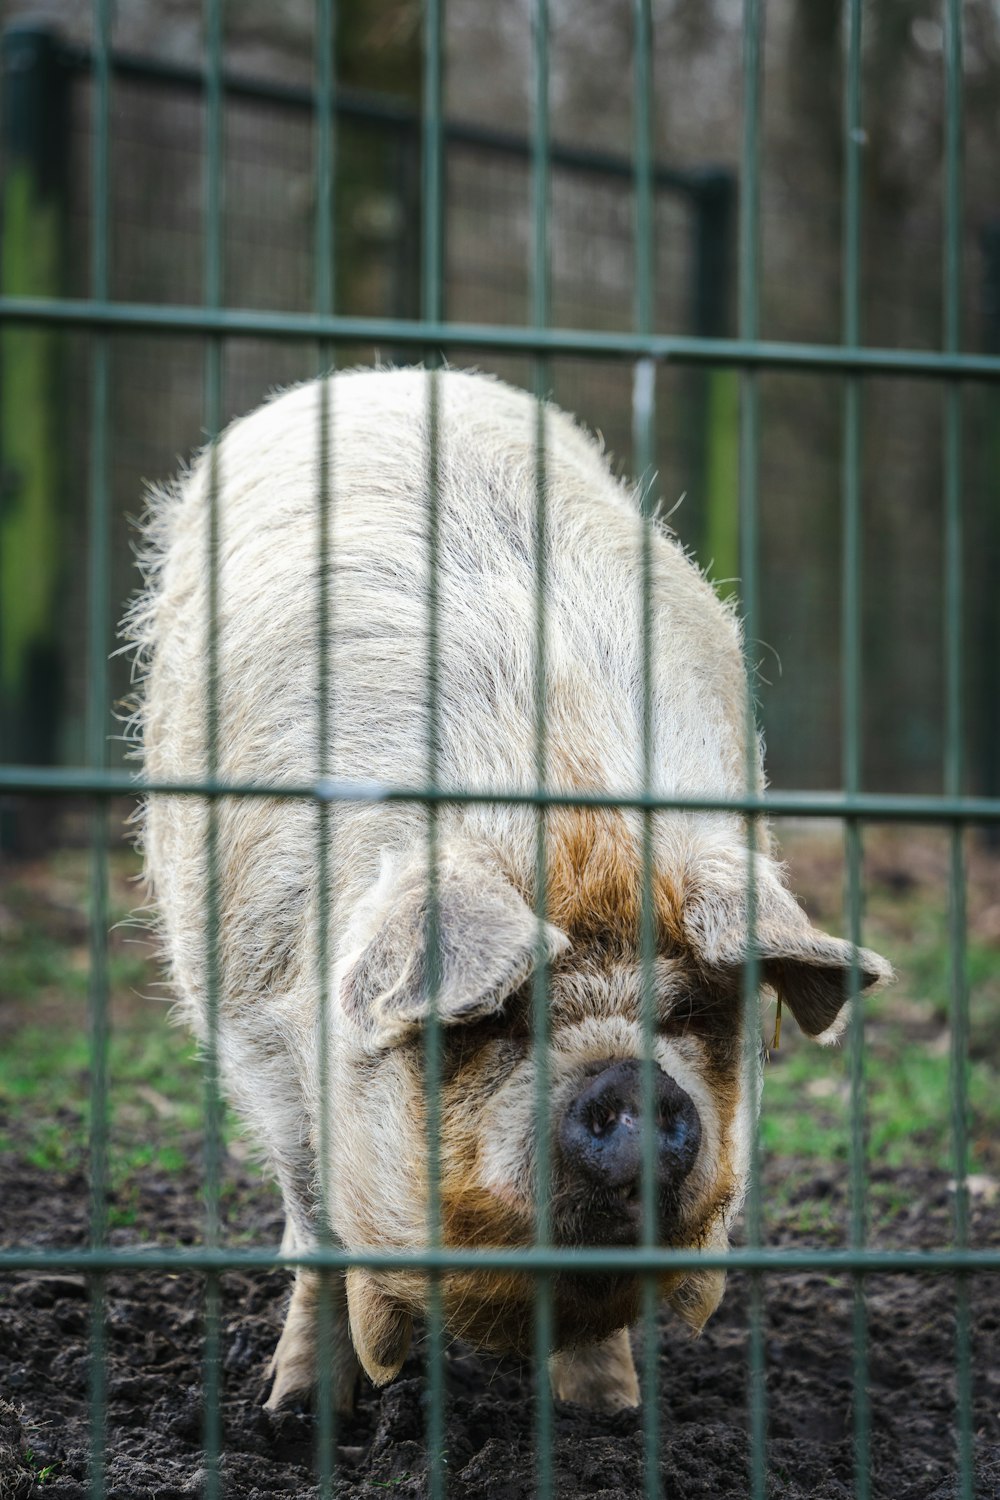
(601, 1375)
(295, 1367)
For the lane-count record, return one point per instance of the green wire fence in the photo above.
(431, 337)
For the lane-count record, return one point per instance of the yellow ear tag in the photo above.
(776, 1039)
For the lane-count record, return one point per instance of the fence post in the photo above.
(715, 461)
(987, 656)
(33, 131)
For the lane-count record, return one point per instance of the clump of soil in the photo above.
(154, 1329)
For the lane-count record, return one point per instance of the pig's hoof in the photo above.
(598, 1397)
(601, 1376)
(290, 1374)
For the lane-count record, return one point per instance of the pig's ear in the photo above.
(487, 944)
(380, 1326)
(809, 969)
(697, 1296)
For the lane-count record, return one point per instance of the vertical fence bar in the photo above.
(749, 273)
(986, 690)
(99, 589)
(431, 309)
(433, 1045)
(954, 720)
(212, 282)
(540, 185)
(432, 226)
(643, 428)
(323, 300)
(851, 721)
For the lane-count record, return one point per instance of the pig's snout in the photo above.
(601, 1136)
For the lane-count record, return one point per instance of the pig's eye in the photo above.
(504, 1036)
(492, 1057)
(699, 1010)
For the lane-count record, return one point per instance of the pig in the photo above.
(371, 429)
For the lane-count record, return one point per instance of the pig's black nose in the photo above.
(601, 1134)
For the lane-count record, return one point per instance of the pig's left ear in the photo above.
(487, 944)
(809, 969)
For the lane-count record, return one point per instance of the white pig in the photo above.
(379, 728)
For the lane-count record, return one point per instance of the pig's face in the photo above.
(488, 946)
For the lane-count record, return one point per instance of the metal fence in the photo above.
(156, 398)
(268, 250)
(430, 337)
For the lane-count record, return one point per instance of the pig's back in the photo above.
(379, 644)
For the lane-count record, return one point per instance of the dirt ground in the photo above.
(154, 1374)
(155, 1324)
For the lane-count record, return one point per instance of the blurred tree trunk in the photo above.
(33, 555)
(379, 50)
(814, 75)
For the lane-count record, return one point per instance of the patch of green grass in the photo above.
(908, 1081)
(155, 1095)
(155, 1088)
(44, 1472)
(41, 1066)
(35, 963)
(908, 1107)
(818, 1218)
(155, 1085)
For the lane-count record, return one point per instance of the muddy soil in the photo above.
(154, 1344)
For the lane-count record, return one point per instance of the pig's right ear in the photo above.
(487, 944)
(808, 969)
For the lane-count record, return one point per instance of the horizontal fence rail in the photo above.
(873, 806)
(433, 335)
(552, 1260)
